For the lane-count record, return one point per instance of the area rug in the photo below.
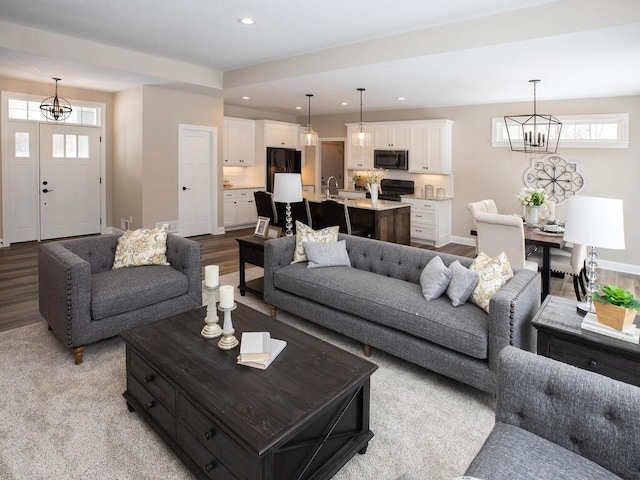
(62, 421)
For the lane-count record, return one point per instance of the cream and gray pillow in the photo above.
(493, 273)
(142, 247)
(304, 233)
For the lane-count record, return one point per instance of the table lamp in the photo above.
(287, 188)
(597, 223)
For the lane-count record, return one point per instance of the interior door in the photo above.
(194, 177)
(69, 181)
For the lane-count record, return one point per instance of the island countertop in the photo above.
(362, 203)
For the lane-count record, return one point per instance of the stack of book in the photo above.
(258, 349)
(590, 322)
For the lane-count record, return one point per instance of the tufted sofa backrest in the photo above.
(99, 251)
(393, 260)
(586, 413)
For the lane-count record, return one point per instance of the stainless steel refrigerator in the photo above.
(282, 160)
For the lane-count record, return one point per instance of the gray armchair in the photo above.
(557, 421)
(83, 300)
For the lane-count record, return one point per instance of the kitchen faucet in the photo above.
(328, 189)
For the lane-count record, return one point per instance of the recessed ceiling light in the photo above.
(401, 98)
(245, 98)
(246, 21)
(344, 103)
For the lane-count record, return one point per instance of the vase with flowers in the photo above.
(373, 178)
(533, 200)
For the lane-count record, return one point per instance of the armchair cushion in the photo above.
(112, 293)
(142, 247)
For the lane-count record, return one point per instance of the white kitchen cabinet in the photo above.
(391, 137)
(430, 221)
(282, 135)
(238, 144)
(239, 208)
(430, 149)
(357, 158)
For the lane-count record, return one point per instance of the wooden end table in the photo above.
(561, 338)
(251, 250)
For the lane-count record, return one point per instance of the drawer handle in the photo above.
(593, 363)
(149, 378)
(150, 405)
(210, 466)
(208, 435)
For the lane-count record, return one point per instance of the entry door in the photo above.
(69, 181)
(196, 147)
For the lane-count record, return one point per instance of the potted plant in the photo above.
(615, 307)
(533, 199)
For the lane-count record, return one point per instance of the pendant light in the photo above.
(56, 108)
(533, 133)
(361, 137)
(309, 138)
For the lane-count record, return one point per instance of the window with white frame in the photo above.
(578, 131)
(21, 109)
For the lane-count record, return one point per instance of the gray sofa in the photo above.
(83, 300)
(556, 421)
(379, 302)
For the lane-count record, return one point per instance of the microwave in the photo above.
(391, 159)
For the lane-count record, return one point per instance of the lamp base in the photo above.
(584, 307)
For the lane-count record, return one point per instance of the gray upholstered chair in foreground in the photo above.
(556, 421)
(83, 300)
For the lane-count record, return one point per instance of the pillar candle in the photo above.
(211, 275)
(226, 296)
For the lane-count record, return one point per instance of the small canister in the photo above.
(418, 192)
(428, 191)
(440, 193)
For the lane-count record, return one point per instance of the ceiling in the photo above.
(431, 52)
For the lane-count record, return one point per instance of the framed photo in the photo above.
(273, 232)
(261, 226)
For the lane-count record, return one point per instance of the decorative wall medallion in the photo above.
(559, 177)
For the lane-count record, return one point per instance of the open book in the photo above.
(258, 349)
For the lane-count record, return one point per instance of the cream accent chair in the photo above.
(483, 206)
(503, 233)
(569, 265)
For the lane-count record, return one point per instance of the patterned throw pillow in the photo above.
(304, 233)
(493, 273)
(142, 247)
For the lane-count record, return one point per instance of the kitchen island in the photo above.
(386, 220)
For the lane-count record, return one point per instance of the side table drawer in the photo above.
(253, 255)
(212, 437)
(152, 381)
(209, 464)
(153, 408)
(595, 360)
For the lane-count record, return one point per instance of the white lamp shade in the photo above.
(595, 222)
(287, 188)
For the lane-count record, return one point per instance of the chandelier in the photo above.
(533, 133)
(56, 108)
(361, 137)
(309, 138)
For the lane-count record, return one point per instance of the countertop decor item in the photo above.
(615, 307)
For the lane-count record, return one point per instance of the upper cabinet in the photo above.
(357, 158)
(391, 137)
(238, 143)
(430, 149)
(282, 135)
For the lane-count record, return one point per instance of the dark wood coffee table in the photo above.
(304, 417)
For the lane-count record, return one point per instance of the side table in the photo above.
(561, 338)
(251, 250)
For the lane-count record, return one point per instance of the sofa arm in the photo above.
(277, 253)
(64, 291)
(510, 313)
(184, 255)
(584, 412)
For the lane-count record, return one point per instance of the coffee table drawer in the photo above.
(152, 381)
(208, 463)
(599, 361)
(212, 437)
(161, 415)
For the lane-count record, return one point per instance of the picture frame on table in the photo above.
(261, 227)
(272, 232)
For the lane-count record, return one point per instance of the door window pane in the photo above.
(83, 146)
(22, 144)
(71, 146)
(58, 145)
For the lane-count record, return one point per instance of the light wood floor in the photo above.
(19, 274)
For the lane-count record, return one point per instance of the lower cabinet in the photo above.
(239, 208)
(430, 221)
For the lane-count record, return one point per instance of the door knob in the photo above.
(185, 188)
(46, 190)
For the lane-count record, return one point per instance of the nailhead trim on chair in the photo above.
(69, 310)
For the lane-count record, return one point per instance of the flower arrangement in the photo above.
(532, 197)
(375, 175)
